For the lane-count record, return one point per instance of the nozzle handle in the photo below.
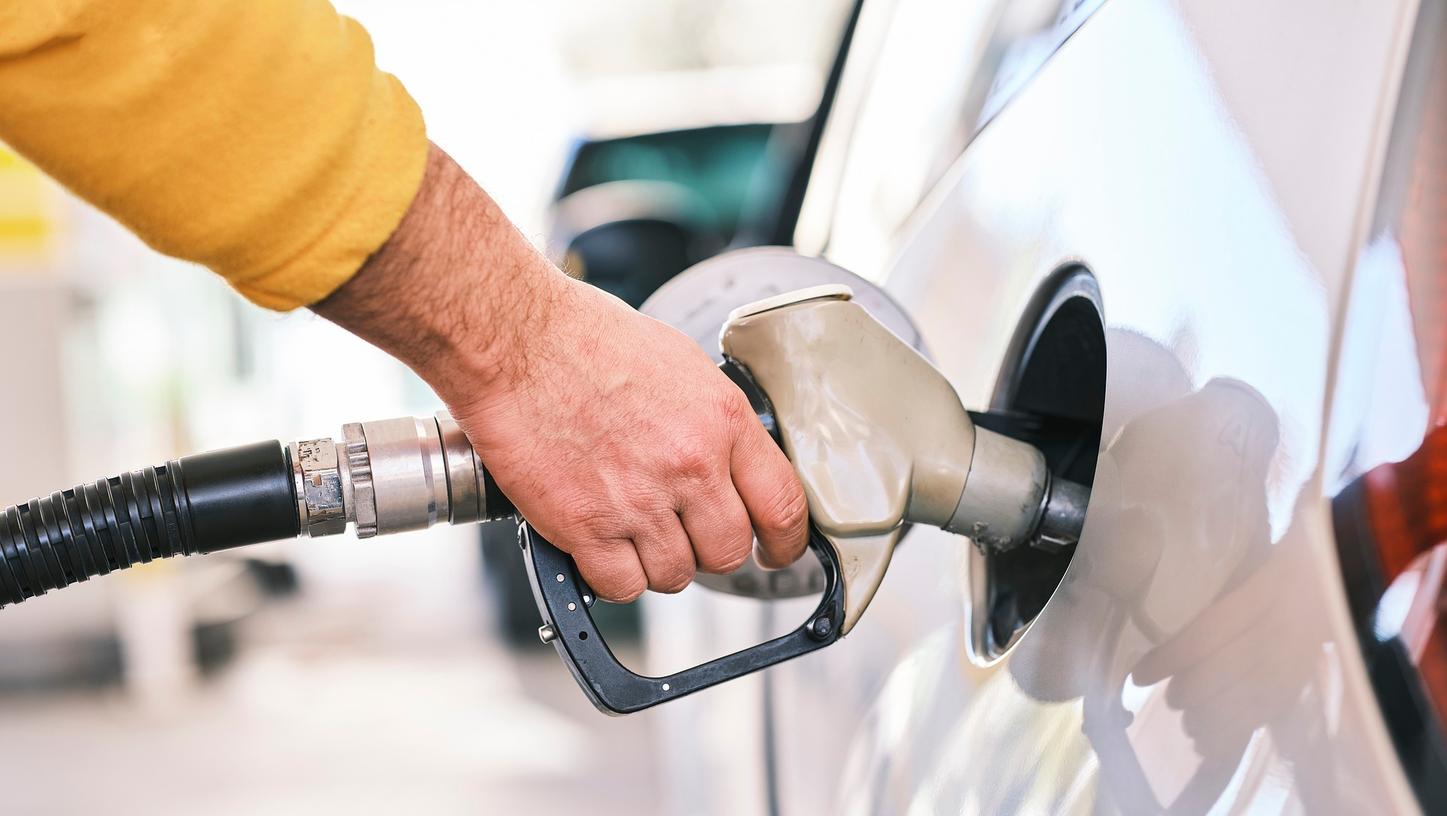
(565, 602)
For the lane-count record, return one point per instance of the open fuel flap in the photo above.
(1051, 393)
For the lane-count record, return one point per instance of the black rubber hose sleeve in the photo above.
(197, 504)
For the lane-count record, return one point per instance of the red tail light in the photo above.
(1392, 522)
(1407, 501)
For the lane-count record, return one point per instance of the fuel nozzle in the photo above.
(879, 439)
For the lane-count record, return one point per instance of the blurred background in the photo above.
(630, 139)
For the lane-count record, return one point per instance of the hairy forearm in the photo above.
(452, 290)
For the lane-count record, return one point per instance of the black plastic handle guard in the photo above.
(564, 601)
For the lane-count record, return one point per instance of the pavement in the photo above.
(361, 699)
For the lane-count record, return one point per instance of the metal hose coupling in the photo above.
(391, 476)
(385, 477)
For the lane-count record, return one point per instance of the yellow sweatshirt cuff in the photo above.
(384, 178)
(256, 137)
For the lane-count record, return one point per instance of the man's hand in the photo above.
(614, 434)
(619, 438)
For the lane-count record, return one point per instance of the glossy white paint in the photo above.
(1214, 164)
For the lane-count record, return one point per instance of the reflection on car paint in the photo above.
(1219, 230)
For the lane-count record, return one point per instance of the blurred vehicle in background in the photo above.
(1203, 239)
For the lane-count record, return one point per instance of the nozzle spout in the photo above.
(879, 438)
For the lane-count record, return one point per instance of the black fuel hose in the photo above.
(196, 504)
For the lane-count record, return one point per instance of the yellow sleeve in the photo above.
(256, 137)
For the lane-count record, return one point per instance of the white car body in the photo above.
(1214, 164)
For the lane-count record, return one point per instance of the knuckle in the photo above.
(590, 522)
(610, 575)
(674, 581)
(735, 406)
(667, 557)
(653, 526)
(692, 459)
(786, 514)
(736, 560)
(730, 553)
(674, 571)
